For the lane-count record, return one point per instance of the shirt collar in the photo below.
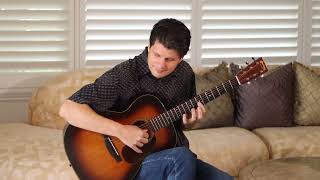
(143, 67)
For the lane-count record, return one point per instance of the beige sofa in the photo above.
(35, 150)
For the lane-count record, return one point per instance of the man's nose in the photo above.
(162, 63)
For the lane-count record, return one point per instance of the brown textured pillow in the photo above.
(307, 96)
(266, 102)
(219, 112)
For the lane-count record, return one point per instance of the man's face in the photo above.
(161, 60)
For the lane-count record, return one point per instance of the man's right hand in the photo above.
(133, 136)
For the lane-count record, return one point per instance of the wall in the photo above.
(13, 111)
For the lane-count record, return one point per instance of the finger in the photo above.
(184, 118)
(144, 140)
(146, 134)
(139, 144)
(199, 113)
(193, 115)
(136, 149)
(201, 106)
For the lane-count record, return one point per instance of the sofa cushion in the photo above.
(31, 152)
(46, 100)
(307, 168)
(219, 112)
(227, 148)
(266, 102)
(307, 96)
(291, 141)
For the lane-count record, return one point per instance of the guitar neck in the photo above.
(168, 117)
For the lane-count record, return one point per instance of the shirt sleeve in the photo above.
(193, 89)
(100, 95)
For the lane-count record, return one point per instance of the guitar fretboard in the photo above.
(168, 117)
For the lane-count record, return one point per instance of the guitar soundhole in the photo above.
(133, 157)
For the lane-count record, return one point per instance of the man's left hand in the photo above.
(196, 115)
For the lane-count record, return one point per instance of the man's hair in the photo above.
(172, 34)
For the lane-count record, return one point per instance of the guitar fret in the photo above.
(230, 84)
(184, 109)
(163, 120)
(158, 124)
(151, 121)
(175, 110)
(191, 103)
(155, 124)
(224, 87)
(202, 100)
(218, 91)
(167, 116)
(168, 119)
(180, 110)
(212, 94)
(205, 93)
(196, 101)
(172, 114)
(188, 106)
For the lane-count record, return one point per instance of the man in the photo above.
(159, 70)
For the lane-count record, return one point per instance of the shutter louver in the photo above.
(34, 36)
(315, 45)
(115, 31)
(236, 30)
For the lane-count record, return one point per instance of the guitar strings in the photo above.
(196, 98)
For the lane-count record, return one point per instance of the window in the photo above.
(236, 30)
(36, 40)
(315, 44)
(114, 31)
(229, 30)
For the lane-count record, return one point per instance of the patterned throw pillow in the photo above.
(307, 96)
(219, 112)
(267, 101)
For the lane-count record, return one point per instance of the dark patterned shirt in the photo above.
(117, 88)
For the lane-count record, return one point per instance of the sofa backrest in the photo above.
(46, 100)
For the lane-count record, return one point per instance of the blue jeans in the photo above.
(178, 163)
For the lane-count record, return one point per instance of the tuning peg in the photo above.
(253, 58)
(247, 63)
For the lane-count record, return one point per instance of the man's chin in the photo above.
(159, 75)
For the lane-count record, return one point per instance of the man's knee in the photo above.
(185, 156)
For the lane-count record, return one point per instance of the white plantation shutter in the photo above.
(236, 30)
(315, 45)
(35, 41)
(114, 31)
(34, 35)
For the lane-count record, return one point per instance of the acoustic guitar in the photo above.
(95, 156)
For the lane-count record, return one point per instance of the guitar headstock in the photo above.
(252, 71)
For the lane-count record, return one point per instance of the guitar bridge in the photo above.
(112, 149)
